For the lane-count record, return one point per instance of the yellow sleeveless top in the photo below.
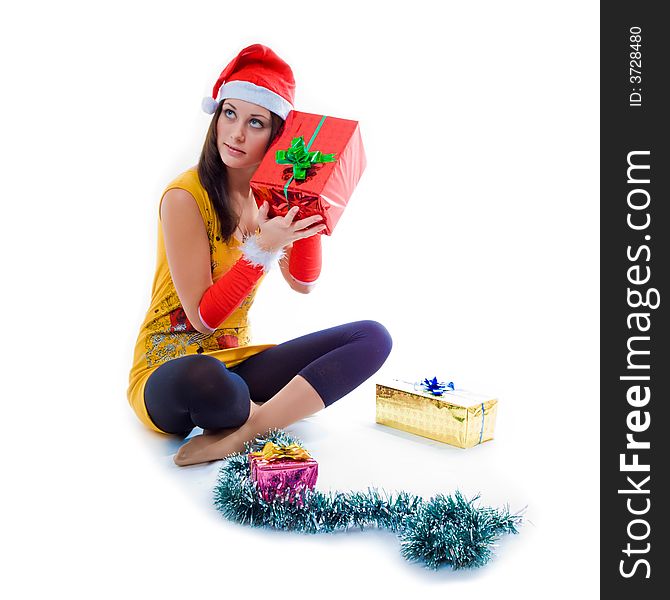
(166, 333)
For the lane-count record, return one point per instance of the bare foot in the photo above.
(195, 450)
(209, 446)
(206, 448)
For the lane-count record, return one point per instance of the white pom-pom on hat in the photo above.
(209, 105)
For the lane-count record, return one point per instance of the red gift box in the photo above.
(326, 186)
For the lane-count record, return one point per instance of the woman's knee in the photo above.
(196, 389)
(208, 385)
(218, 397)
(378, 335)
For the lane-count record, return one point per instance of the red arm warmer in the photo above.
(222, 298)
(305, 262)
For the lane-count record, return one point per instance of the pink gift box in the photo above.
(276, 476)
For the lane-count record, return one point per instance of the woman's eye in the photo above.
(256, 124)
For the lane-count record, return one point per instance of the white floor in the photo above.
(353, 453)
(102, 511)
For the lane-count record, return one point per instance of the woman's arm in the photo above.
(187, 249)
(205, 303)
(298, 287)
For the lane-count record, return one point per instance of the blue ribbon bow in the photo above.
(435, 387)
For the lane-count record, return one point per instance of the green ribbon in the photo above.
(301, 158)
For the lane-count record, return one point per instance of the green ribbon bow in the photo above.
(301, 158)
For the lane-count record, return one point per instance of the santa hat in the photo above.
(256, 75)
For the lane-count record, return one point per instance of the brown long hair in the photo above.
(214, 176)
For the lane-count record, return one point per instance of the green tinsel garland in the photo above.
(444, 530)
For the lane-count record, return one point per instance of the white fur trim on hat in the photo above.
(245, 90)
(257, 256)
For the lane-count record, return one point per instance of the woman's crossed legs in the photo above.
(293, 380)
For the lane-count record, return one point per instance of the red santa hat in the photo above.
(256, 75)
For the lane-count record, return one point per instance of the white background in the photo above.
(473, 236)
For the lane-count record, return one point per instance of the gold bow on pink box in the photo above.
(272, 452)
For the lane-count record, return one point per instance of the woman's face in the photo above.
(245, 127)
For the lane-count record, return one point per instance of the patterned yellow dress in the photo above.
(166, 333)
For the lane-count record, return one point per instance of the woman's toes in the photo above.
(190, 453)
(196, 450)
(180, 457)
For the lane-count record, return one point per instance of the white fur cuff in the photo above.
(258, 257)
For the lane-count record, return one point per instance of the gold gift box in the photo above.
(459, 417)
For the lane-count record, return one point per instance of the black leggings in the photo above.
(199, 390)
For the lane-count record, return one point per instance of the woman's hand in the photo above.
(279, 232)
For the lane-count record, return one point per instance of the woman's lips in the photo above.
(234, 151)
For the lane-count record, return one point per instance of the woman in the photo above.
(194, 365)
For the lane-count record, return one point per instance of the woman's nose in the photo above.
(238, 134)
